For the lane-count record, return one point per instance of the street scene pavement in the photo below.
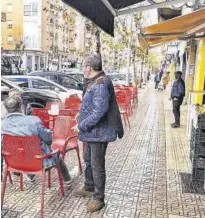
(148, 173)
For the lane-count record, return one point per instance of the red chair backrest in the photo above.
(22, 151)
(63, 126)
(67, 112)
(72, 100)
(42, 113)
(48, 105)
(73, 107)
(122, 98)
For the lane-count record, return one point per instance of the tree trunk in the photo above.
(98, 43)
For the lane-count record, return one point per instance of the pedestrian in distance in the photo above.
(165, 79)
(157, 80)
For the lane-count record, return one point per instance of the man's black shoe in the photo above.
(176, 125)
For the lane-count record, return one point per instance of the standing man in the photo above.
(177, 96)
(99, 123)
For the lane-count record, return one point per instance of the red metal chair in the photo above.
(135, 96)
(128, 96)
(42, 113)
(72, 114)
(74, 107)
(72, 100)
(64, 138)
(23, 154)
(123, 104)
(67, 112)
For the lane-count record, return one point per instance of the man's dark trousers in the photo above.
(156, 85)
(176, 110)
(95, 176)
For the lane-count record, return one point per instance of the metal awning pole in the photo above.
(148, 7)
(109, 6)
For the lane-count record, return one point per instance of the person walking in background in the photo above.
(177, 96)
(148, 76)
(165, 79)
(99, 123)
(157, 80)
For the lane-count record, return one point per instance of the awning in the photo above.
(101, 12)
(175, 29)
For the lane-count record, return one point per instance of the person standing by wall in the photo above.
(177, 96)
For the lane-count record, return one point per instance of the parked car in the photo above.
(9, 65)
(33, 97)
(61, 78)
(40, 83)
(76, 75)
(118, 79)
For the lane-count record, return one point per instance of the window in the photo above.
(9, 24)
(27, 10)
(9, 8)
(34, 9)
(40, 84)
(22, 82)
(53, 78)
(68, 82)
(10, 40)
(31, 9)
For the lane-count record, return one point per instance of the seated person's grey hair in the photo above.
(13, 104)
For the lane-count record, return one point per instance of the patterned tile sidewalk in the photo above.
(148, 173)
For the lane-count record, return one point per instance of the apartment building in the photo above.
(44, 33)
(12, 27)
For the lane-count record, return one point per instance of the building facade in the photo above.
(12, 28)
(44, 34)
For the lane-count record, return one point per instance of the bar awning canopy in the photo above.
(99, 11)
(177, 28)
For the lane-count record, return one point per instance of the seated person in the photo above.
(25, 109)
(18, 124)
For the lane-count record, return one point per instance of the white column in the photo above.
(60, 62)
(24, 59)
(47, 57)
(33, 62)
(39, 63)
